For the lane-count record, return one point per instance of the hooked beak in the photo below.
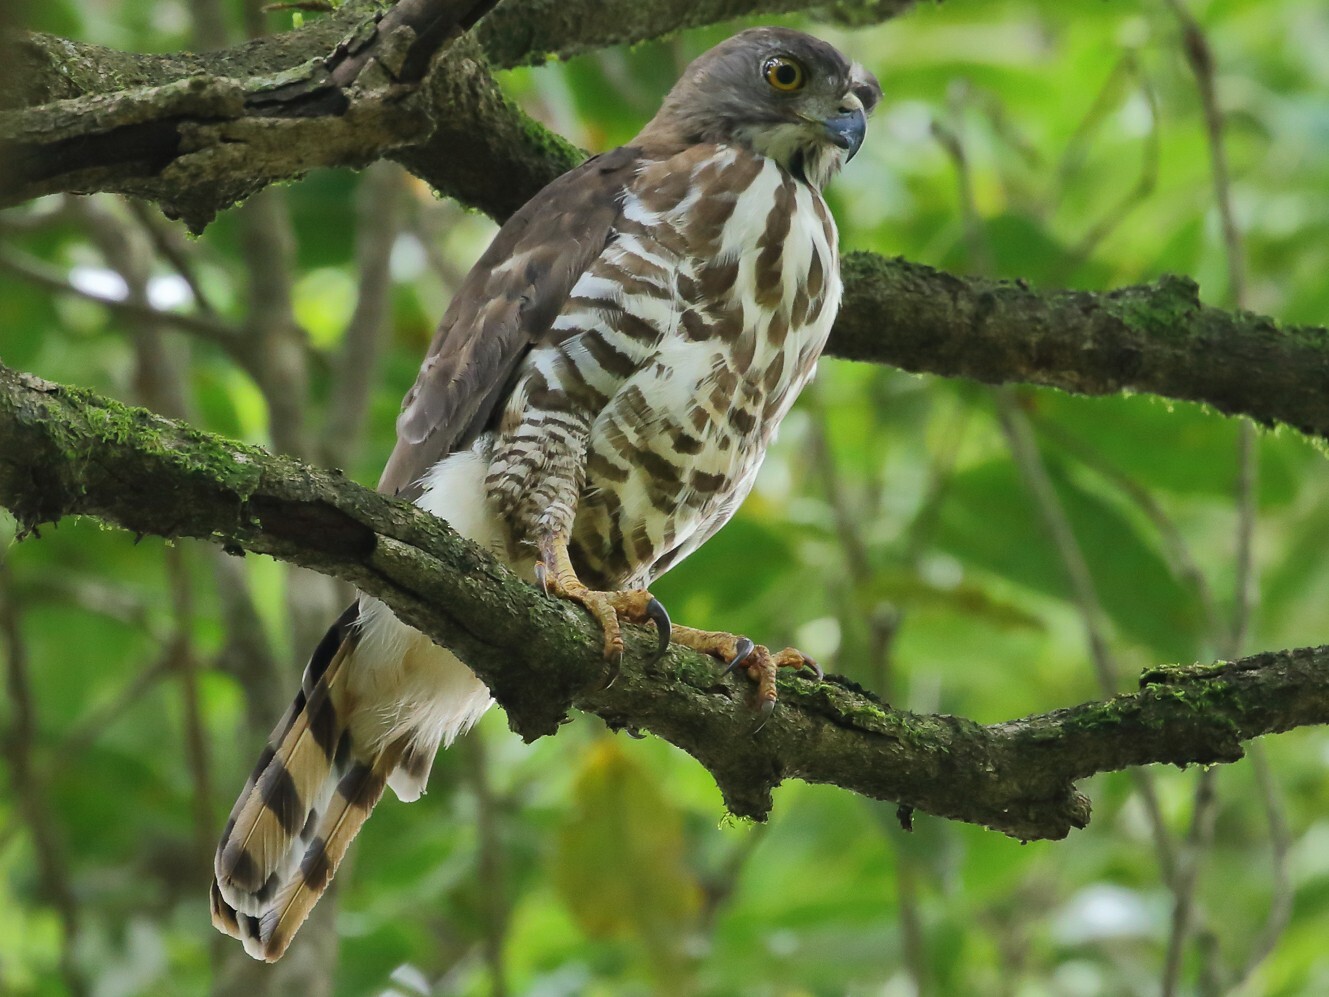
(846, 129)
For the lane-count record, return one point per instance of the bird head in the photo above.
(778, 92)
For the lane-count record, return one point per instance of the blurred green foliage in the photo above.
(890, 535)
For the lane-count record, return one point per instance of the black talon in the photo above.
(742, 648)
(765, 710)
(615, 666)
(660, 617)
(816, 668)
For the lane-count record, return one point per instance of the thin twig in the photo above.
(1199, 57)
(1143, 187)
(90, 730)
(52, 279)
(1243, 601)
(941, 472)
(246, 653)
(1029, 462)
(160, 367)
(185, 664)
(852, 542)
(492, 865)
(718, 887)
(429, 221)
(1280, 845)
(882, 626)
(355, 375)
(1179, 556)
(949, 139)
(1199, 841)
(1073, 154)
(173, 248)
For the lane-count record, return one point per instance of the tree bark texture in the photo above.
(66, 451)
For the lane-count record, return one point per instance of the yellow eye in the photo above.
(784, 73)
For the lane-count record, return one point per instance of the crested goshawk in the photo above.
(595, 404)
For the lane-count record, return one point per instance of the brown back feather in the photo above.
(506, 303)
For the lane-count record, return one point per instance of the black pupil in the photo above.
(786, 74)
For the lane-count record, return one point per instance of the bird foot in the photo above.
(555, 575)
(758, 661)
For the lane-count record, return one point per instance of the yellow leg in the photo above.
(556, 574)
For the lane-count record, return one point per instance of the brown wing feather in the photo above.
(506, 303)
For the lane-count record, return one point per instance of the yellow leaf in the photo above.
(620, 862)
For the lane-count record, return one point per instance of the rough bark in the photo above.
(196, 133)
(66, 451)
(1157, 338)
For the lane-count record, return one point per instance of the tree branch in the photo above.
(1157, 338)
(198, 132)
(65, 451)
(529, 32)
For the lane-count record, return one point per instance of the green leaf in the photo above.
(1170, 445)
(991, 522)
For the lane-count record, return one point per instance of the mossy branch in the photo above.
(65, 451)
(196, 133)
(1157, 338)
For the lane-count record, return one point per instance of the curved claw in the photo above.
(660, 617)
(816, 668)
(765, 710)
(541, 578)
(615, 666)
(742, 648)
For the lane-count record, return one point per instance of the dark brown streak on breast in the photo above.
(769, 272)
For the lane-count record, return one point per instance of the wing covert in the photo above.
(507, 302)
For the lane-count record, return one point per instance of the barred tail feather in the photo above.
(377, 701)
(274, 823)
(356, 794)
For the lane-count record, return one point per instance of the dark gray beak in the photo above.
(846, 129)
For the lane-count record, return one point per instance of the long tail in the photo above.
(311, 791)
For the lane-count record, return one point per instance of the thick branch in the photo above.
(528, 32)
(1157, 338)
(196, 133)
(65, 452)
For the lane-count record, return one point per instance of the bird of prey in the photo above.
(595, 404)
